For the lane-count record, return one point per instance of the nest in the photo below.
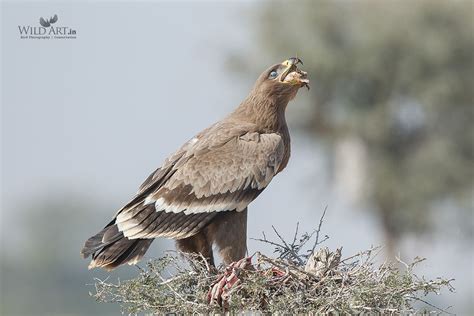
(292, 282)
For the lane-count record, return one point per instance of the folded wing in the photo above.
(178, 200)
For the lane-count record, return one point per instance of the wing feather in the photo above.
(222, 169)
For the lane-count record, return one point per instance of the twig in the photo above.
(316, 242)
(177, 294)
(296, 234)
(361, 253)
(430, 305)
(287, 248)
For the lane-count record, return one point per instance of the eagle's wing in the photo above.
(222, 169)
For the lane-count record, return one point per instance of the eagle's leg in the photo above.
(196, 244)
(229, 231)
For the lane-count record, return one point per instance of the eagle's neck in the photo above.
(267, 112)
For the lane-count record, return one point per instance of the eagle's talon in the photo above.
(220, 291)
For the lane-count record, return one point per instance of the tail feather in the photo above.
(110, 248)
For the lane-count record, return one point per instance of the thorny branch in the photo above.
(291, 251)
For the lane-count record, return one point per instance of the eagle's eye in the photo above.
(273, 74)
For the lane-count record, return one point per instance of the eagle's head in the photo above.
(282, 80)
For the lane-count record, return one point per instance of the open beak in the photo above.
(292, 74)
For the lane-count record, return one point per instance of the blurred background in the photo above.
(384, 138)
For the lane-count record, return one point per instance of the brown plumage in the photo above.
(199, 196)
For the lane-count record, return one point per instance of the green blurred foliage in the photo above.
(398, 75)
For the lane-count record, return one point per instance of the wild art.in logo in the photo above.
(47, 30)
(47, 23)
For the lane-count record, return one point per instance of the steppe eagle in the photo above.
(199, 195)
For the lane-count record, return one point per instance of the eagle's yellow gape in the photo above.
(292, 75)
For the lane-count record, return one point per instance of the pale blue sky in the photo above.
(100, 112)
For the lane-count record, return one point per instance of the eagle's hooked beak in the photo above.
(292, 74)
